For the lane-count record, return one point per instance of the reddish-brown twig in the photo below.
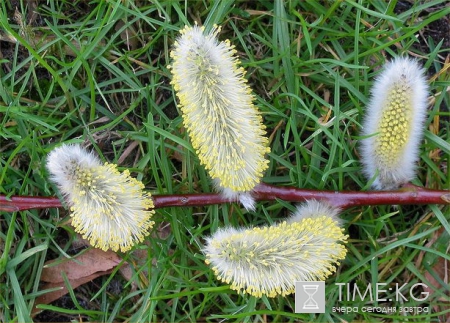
(263, 192)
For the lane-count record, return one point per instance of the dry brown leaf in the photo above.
(86, 264)
(53, 296)
(85, 267)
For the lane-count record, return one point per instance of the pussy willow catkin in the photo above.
(268, 260)
(394, 124)
(109, 208)
(225, 128)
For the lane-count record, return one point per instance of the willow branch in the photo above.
(263, 192)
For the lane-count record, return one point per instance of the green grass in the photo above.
(95, 72)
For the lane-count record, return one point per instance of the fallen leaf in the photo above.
(89, 265)
(54, 295)
(79, 270)
(85, 264)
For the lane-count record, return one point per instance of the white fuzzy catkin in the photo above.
(107, 207)
(268, 260)
(225, 128)
(394, 123)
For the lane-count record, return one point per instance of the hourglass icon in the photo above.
(310, 303)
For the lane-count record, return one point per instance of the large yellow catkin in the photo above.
(268, 260)
(224, 126)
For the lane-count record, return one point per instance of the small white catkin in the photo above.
(224, 126)
(109, 208)
(268, 260)
(394, 123)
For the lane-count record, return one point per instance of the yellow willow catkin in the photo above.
(268, 260)
(394, 124)
(225, 127)
(109, 208)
